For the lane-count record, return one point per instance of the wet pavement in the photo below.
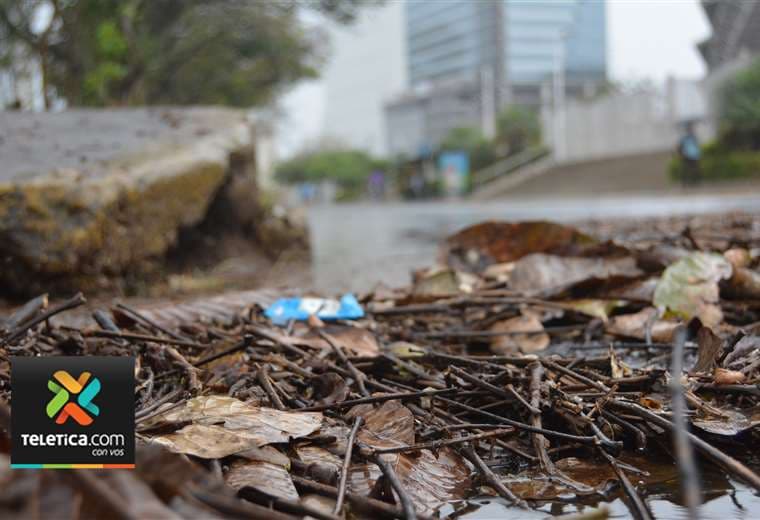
(356, 245)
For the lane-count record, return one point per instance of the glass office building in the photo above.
(522, 42)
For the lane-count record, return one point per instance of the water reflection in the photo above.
(356, 245)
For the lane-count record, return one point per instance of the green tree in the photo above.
(472, 141)
(113, 52)
(517, 128)
(349, 169)
(739, 109)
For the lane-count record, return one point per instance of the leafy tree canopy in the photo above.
(739, 109)
(114, 52)
(348, 168)
(518, 128)
(472, 141)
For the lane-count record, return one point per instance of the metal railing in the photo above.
(506, 166)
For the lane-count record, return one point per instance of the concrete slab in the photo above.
(88, 196)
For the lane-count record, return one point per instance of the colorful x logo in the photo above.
(85, 388)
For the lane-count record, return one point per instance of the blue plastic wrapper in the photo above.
(286, 309)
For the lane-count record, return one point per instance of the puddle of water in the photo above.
(724, 499)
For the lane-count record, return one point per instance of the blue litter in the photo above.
(286, 309)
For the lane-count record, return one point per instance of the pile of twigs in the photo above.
(413, 411)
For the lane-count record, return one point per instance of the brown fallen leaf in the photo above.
(430, 479)
(618, 369)
(744, 283)
(356, 340)
(651, 403)
(721, 376)
(635, 326)
(709, 349)
(314, 322)
(738, 257)
(731, 423)
(272, 479)
(516, 343)
(476, 247)
(330, 388)
(549, 274)
(231, 425)
(206, 441)
(744, 348)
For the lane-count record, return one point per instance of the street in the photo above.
(356, 245)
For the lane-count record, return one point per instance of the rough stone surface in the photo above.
(90, 196)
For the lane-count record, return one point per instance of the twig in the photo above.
(357, 375)
(370, 505)
(266, 384)
(503, 491)
(683, 448)
(728, 463)
(139, 317)
(539, 442)
(406, 503)
(443, 442)
(379, 399)
(26, 312)
(142, 337)
(346, 465)
(73, 302)
(491, 388)
(638, 506)
(190, 370)
(98, 491)
(527, 427)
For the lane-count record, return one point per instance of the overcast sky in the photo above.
(647, 39)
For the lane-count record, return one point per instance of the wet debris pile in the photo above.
(535, 363)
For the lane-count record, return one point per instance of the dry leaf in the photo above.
(745, 347)
(515, 343)
(476, 247)
(618, 369)
(733, 422)
(594, 308)
(206, 441)
(314, 322)
(272, 479)
(430, 479)
(689, 287)
(635, 326)
(548, 274)
(438, 282)
(233, 426)
(721, 376)
(356, 340)
(651, 403)
(738, 257)
(710, 347)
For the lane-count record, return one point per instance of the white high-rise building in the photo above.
(366, 67)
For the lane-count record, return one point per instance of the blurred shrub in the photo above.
(739, 109)
(349, 169)
(472, 141)
(719, 162)
(517, 128)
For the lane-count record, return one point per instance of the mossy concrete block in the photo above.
(87, 197)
